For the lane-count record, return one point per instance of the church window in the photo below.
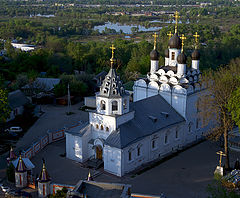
(197, 123)
(176, 133)
(129, 156)
(97, 127)
(173, 55)
(153, 144)
(101, 127)
(166, 139)
(125, 104)
(138, 151)
(114, 106)
(189, 127)
(107, 129)
(103, 105)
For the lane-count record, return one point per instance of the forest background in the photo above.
(67, 41)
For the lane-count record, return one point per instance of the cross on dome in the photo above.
(183, 38)
(155, 40)
(176, 16)
(169, 35)
(112, 60)
(196, 36)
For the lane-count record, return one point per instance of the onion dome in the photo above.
(21, 167)
(154, 55)
(195, 55)
(182, 58)
(166, 53)
(175, 42)
(44, 176)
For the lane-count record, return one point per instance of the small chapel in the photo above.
(162, 119)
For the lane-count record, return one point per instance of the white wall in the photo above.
(147, 153)
(106, 121)
(23, 182)
(40, 189)
(112, 160)
(74, 149)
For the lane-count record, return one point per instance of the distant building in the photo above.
(23, 47)
(17, 100)
(45, 85)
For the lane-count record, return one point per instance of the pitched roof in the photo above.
(46, 84)
(44, 176)
(151, 115)
(112, 86)
(29, 165)
(21, 167)
(17, 99)
(12, 155)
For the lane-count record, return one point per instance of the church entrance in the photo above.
(99, 152)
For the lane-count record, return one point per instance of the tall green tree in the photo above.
(234, 107)
(4, 106)
(220, 85)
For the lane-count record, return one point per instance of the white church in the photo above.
(162, 118)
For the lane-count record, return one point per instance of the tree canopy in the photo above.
(220, 85)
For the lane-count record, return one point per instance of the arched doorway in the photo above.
(99, 152)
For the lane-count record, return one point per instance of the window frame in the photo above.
(113, 109)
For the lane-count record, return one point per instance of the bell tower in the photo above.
(112, 98)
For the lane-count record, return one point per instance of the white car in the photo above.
(15, 129)
(5, 189)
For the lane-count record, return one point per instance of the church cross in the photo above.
(196, 36)
(221, 154)
(183, 38)
(169, 35)
(112, 48)
(176, 20)
(155, 40)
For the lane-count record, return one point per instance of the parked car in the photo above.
(5, 189)
(15, 129)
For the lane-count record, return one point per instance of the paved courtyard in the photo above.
(54, 118)
(183, 176)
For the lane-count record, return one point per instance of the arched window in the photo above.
(103, 105)
(189, 127)
(107, 129)
(97, 127)
(139, 151)
(101, 127)
(114, 105)
(166, 139)
(176, 134)
(129, 156)
(173, 55)
(125, 104)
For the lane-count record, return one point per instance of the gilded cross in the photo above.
(176, 16)
(169, 35)
(155, 40)
(112, 48)
(196, 36)
(183, 38)
(221, 154)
